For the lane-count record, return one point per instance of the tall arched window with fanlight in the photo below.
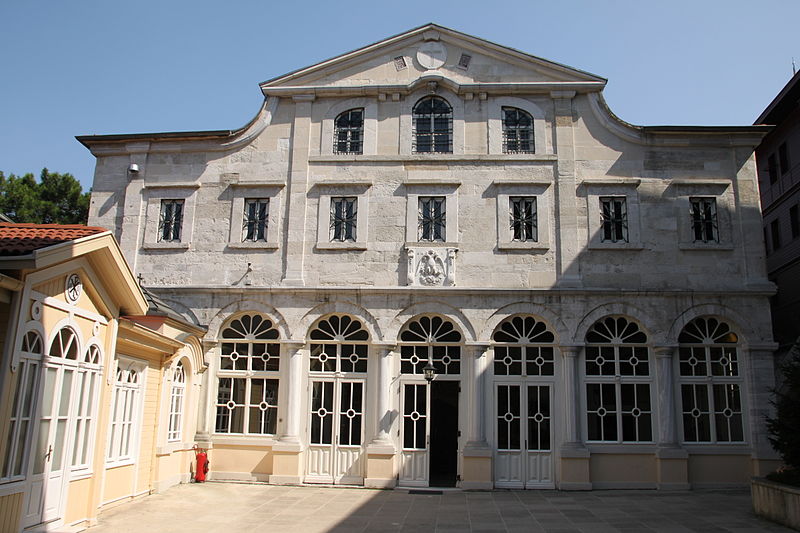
(176, 402)
(618, 374)
(433, 126)
(87, 391)
(21, 417)
(247, 385)
(709, 370)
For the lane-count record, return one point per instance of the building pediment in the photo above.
(432, 53)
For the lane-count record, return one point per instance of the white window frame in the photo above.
(130, 417)
(495, 125)
(243, 191)
(89, 403)
(165, 192)
(328, 190)
(511, 189)
(722, 192)
(431, 188)
(177, 402)
(613, 187)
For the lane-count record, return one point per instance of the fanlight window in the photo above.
(93, 355)
(64, 345)
(32, 343)
(252, 351)
(339, 345)
(433, 125)
(618, 403)
(518, 350)
(430, 338)
(349, 134)
(709, 372)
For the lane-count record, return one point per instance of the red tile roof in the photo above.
(21, 239)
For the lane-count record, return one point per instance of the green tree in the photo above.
(784, 429)
(54, 199)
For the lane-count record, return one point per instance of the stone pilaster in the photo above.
(296, 193)
(206, 402)
(672, 462)
(477, 455)
(567, 227)
(574, 464)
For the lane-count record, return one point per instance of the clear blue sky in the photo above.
(95, 67)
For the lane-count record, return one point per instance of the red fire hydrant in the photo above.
(201, 467)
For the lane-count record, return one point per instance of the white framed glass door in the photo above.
(336, 429)
(415, 434)
(523, 435)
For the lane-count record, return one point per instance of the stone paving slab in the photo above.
(238, 507)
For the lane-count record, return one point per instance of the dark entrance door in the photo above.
(444, 433)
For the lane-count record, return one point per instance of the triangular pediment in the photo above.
(431, 51)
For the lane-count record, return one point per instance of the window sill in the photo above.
(165, 246)
(119, 464)
(12, 487)
(243, 440)
(80, 474)
(710, 246)
(431, 244)
(617, 447)
(261, 245)
(523, 246)
(633, 246)
(172, 447)
(717, 448)
(341, 246)
(432, 157)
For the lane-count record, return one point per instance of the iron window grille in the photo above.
(517, 131)
(432, 219)
(344, 214)
(523, 218)
(170, 221)
(349, 132)
(704, 219)
(433, 126)
(614, 214)
(256, 216)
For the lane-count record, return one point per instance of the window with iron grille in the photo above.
(517, 131)
(344, 213)
(614, 213)
(523, 218)
(433, 126)
(432, 219)
(704, 219)
(772, 168)
(710, 383)
(349, 132)
(170, 221)
(256, 215)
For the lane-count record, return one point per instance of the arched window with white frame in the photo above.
(176, 402)
(126, 411)
(26, 384)
(711, 381)
(87, 389)
(430, 338)
(617, 378)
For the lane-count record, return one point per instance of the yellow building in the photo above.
(98, 380)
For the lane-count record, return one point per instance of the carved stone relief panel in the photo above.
(431, 267)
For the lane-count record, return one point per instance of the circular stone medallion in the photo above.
(431, 55)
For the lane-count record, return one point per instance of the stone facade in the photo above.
(620, 239)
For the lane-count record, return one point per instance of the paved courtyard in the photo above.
(229, 508)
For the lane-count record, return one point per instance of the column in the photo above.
(570, 239)
(574, 473)
(672, 462)
(381, 471)
(206, 400)
(761, 380)
(477, 464)
(286, 452)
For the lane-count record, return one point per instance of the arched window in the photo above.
(523, 347)
(618, 402)
(177, 394)
(430, 338)
(433, 126)
(710, 379)
(247, 393)
(517, 131)
(339, 344)
(126, 418)
(64, 345)
(20, 426)
(87, 390)
(349, 132)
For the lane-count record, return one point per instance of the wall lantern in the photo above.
(430, 371)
